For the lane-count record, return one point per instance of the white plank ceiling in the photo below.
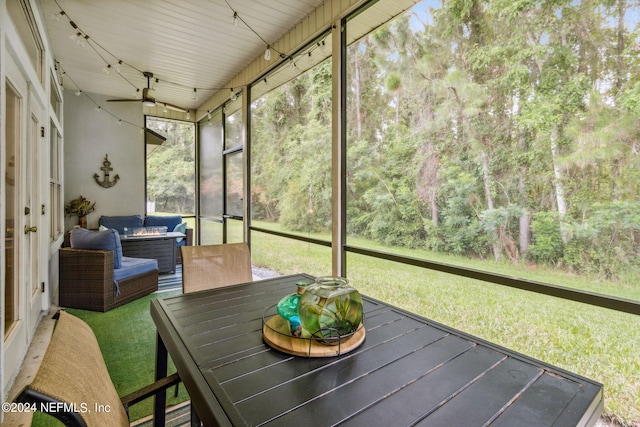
(186, 44)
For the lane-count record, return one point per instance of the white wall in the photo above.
(89, 136)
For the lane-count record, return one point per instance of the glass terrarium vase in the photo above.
(330, 309)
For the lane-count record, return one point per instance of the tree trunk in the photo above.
(497, 254)
(558, 180)
(525, 219)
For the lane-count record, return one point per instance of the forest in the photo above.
(497, 129)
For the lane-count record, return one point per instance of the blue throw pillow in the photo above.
(120, 222)
(107, 240)
(169, 221)
(180, 228)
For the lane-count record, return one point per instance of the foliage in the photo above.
(80, 207)
(468, 137)
(171, 167)
(547, 246)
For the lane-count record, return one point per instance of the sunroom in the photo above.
(474, 163)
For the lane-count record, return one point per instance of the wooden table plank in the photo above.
(411, 403)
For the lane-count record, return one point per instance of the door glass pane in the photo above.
(32, 180)
(233, 131)
(234, 179)
(12, 138)
(211, 138)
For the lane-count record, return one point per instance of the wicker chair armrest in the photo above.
(75, 257)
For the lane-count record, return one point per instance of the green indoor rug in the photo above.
(127, 338)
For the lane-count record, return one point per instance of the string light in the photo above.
(106, 69)
(195, 94)
(267, 52)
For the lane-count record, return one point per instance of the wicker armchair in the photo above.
(87, 281)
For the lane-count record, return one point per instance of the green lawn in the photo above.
(598, 343)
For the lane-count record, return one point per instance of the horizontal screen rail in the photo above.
(293, 236)
(592, 298)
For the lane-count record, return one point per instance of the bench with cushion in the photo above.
(95, 276)
(73, 384)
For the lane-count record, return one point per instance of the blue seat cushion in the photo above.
(133, 267)
(120, 222)
(169, 221)
(107, 240)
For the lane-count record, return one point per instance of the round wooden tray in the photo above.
(275, 332)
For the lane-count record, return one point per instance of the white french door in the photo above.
(24, 135)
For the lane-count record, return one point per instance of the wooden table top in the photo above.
(409, 370)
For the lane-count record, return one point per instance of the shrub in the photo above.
(546, 239)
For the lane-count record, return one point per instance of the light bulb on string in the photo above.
(81, 40)
(267, 54)
(164, 110)
(107, 69)
(78, 93)
(118, 66)
(235, 19)
(195, 94)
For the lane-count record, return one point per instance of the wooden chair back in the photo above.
(214, 266)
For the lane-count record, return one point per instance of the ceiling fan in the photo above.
(148, 97)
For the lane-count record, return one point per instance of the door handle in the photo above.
(28, 230)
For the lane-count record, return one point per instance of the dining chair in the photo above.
(214, 266)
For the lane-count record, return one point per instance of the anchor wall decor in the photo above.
(106, 168)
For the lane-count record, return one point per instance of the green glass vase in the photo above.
(288, 307)
(330, 310)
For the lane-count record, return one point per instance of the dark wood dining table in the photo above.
(408, 371)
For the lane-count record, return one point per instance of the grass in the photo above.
(127, 339)
(598, 343)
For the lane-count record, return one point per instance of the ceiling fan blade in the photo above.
(123, 100)
(170, 106)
